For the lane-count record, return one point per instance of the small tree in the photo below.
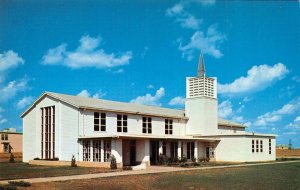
(73, 161)
(12, 158)
(113, 162)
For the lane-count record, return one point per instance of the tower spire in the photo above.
(201, 68)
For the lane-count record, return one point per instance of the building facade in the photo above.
(60, 125)
(10, 141)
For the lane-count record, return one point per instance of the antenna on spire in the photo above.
(201, 68)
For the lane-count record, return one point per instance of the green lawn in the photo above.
(278, 176)
(22, 170)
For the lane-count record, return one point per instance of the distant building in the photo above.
(10, 141)
(60, 125)
(282, 146)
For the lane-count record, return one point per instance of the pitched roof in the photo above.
(99, 104)
(107, 105)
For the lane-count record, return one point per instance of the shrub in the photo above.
(193, 159)
(183, 159)
(162, 159)
(20, 183)
(183, 165)
(8, 187)
(37, 158)
(73, 161)
(12, 158)
(113, 162)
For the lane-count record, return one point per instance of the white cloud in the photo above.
(12, 88)
(295, 124)
(25, 101)
(296, 78)
(270, 118)
(119, 71)
(9, 60)
(209, 42)
(225, 109)
(177, 9)
(2, 119)
(148, 99)
(150, 86)
(189, 22)
(258, 78)
(206, 2)
(85, 93)
(86, 55)
(177, 101)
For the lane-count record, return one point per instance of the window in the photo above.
(261, 146)
(122, 123)
(147, 125)
(107, 150)
(270, 146)
(257, 145)
(99, 121)
(97, 150)
(253, 146)
(4, 137)
(48, 132)
(169, 126)
(190, 150)
(86, 150)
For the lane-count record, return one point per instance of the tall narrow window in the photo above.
(48, 132)
(99, 121)
(253, 146)
(86, 150)
(97, 150)
(257, 145)
(261, 146)
(270, 146)
(147, 125)
(107, 150)
(190, 150)
(169, 126)
(122, 123)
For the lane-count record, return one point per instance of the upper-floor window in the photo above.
(4, 137)
(99, 121)
(169, 126)
(147, 125)
(122, 123)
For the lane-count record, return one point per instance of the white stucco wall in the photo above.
(230, 130)
(29, 136)
(203, 116)
(239, 149)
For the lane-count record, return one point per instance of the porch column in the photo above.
(146, 158)
(102, 150)
(196, 150)
(91, 150)
(160, 149)
(80, 153)
(179, 149)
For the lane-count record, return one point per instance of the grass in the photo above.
(21, 170)
(277, 176)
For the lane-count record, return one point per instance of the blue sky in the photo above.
(141, 52)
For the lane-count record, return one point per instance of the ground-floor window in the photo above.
(270, 147)
(107, 150)
(257, 145)
(190, 150)
(174, 148)
(261, 146)
(97, 150)
(253, 146)
(86, 150)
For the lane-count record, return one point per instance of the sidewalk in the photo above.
(150, 170)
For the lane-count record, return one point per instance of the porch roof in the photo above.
(166, 137)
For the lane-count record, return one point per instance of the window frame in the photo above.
(100, 121)
(169, 126)
(122, 123)
(147, 125)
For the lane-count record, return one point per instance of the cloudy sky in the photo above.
(141, 52)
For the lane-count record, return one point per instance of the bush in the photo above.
(73, 161)
(183, 159)
(37, 158)
(113, 163)
(193, 159)
(12, 158)
(183, 165)
(162, 159)
(8, 187)
(20, 183)
(127, 168)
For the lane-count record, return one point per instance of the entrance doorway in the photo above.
(154, 156)
(129, 152)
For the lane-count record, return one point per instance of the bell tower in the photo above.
(201, 104)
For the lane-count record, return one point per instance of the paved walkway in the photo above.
(150, 170)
